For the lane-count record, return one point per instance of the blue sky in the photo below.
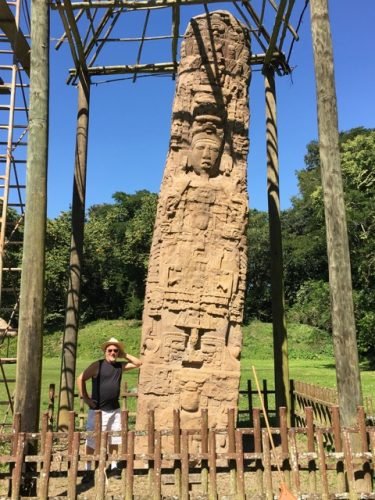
(130, 122)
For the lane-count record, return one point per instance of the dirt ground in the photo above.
(142, 491)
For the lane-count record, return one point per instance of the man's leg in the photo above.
(114, 424)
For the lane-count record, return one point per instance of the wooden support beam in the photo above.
(114, 17)
(286, 20)
(69, 352)
(261, 18)
(175, 33)
(133, 4)
(280, 339)
(20, 46)
(286, 24)
(69, 36)
(135, 39)
(75, 41)
(91, 15)
(128, 69)
(141, 43)
(343, 323)
(167, 67)
(254, 31)
(30, 330)
(64, 35)
(275, 33)
(256, 19)
(102, 24)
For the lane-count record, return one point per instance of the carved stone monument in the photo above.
(191, 337)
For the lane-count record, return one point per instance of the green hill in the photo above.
(304, 342)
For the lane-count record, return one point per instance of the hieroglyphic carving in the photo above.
(191, 337)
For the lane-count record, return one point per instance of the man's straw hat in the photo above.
(113, 341)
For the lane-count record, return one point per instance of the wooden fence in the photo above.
(303, 395)
(231, 463)
(321, 400)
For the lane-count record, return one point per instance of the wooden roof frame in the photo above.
(271, 43)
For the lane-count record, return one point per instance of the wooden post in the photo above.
(69, 351)
(29, 355)
(280, 341)
(343, 325)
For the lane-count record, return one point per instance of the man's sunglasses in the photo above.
(112, 350)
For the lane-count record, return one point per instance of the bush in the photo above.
(312, 305)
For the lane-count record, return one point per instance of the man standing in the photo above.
(106, 380)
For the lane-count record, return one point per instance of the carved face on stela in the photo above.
(205, 153)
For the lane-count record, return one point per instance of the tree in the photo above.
(258, 293)
(118, 240)
(57, 262)
(304, 236)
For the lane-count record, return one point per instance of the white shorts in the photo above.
(111, 421)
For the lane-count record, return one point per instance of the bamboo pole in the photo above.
(69, 351)
(29, 355)
(343, 325)
(280, 340)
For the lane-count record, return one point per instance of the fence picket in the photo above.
(17, 471)
(204, 449)
(322, 464)
(184, 465)
(267, 465)
(240, 466)
(73, 467)
(311, 449)
(45, 472)
(285, 464)
(258, 449)
(177, 449)
(366, 467)
(101, 470)
(130, 467)
(212, 490)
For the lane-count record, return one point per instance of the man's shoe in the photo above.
(88, 477)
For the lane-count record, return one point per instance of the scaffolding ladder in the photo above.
(14, 98)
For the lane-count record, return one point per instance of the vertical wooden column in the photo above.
(343, 325)
(30, 329)
(69, 351)
(280, 341)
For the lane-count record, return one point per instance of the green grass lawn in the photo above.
(311, 356)
(316, 371)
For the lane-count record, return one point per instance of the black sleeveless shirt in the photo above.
(106, 386)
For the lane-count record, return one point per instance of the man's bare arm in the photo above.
(132, 363)
(90, 372)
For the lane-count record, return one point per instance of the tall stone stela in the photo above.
(191, 336)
